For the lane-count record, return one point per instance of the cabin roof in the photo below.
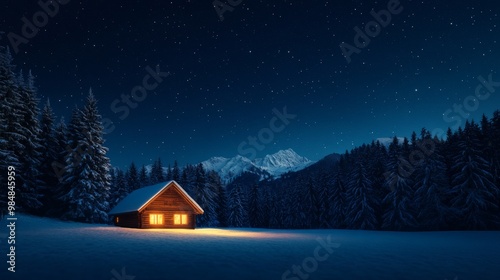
(140, 198)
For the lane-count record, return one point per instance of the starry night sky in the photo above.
(226, 77)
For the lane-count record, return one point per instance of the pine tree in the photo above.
(431, 185)
(176, 174)
(220, 198)
(361, 206)
(399, 214)
(312, 205)
(120, 189)
(58, 168)
(265, 208)
(495, 127)
(236, 217)
(157, 175)
(338, 197)
(279, 210)
(253, 207)
(133, 182)
(169, 173)
(88, 177)
(49, 146)
(71, 156)
(474, 196)
(143, 177)
(205, 196)
(376, 174)
(324, 201)
(294, 217)
(222, 206)
(29, 188)
(9, 122)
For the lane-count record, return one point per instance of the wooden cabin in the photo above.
(165, 205)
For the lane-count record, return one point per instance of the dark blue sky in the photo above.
(226, 77)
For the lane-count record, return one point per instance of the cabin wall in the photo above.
(127, 220)
(170, 202)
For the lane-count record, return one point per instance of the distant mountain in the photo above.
(270, 166)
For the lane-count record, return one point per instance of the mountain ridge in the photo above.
(270, 166)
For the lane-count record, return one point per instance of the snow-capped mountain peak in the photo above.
(273, 165)
(284, 158)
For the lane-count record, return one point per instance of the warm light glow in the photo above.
(117, 219)
(180, 219)
(156, 219)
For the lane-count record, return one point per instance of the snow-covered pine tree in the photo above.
(495, 127)
(222, 206)
(29, 190)
(474, 196)
(360, 197)
(72, 155)
(88, 178)
(49, 146)
(431, 186)
(176, 173)
(120, 189)
(169, 173)
(311, 205)
(206, 198)
(400, 214)
(324, 201)
(293, 216)
(338, 196)
(220, 198)
(157, 174)
(58, 168)
(237, 214)
(376, 171)
(133, 182)
(253, 207)
(450, 149)
(143, 177)
(188, 179)
(265, 207)
(487, 139)
(9, 122)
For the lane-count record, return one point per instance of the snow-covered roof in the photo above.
(140, 198)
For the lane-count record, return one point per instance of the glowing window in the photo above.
(117, 219)
(180, 219)
(156, 219)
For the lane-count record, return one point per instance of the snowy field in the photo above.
(51, 249)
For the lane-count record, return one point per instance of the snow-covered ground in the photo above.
(52, 250)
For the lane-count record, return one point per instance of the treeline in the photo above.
(424, 183)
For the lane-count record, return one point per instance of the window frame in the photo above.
(181, 219)
(156, 219)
